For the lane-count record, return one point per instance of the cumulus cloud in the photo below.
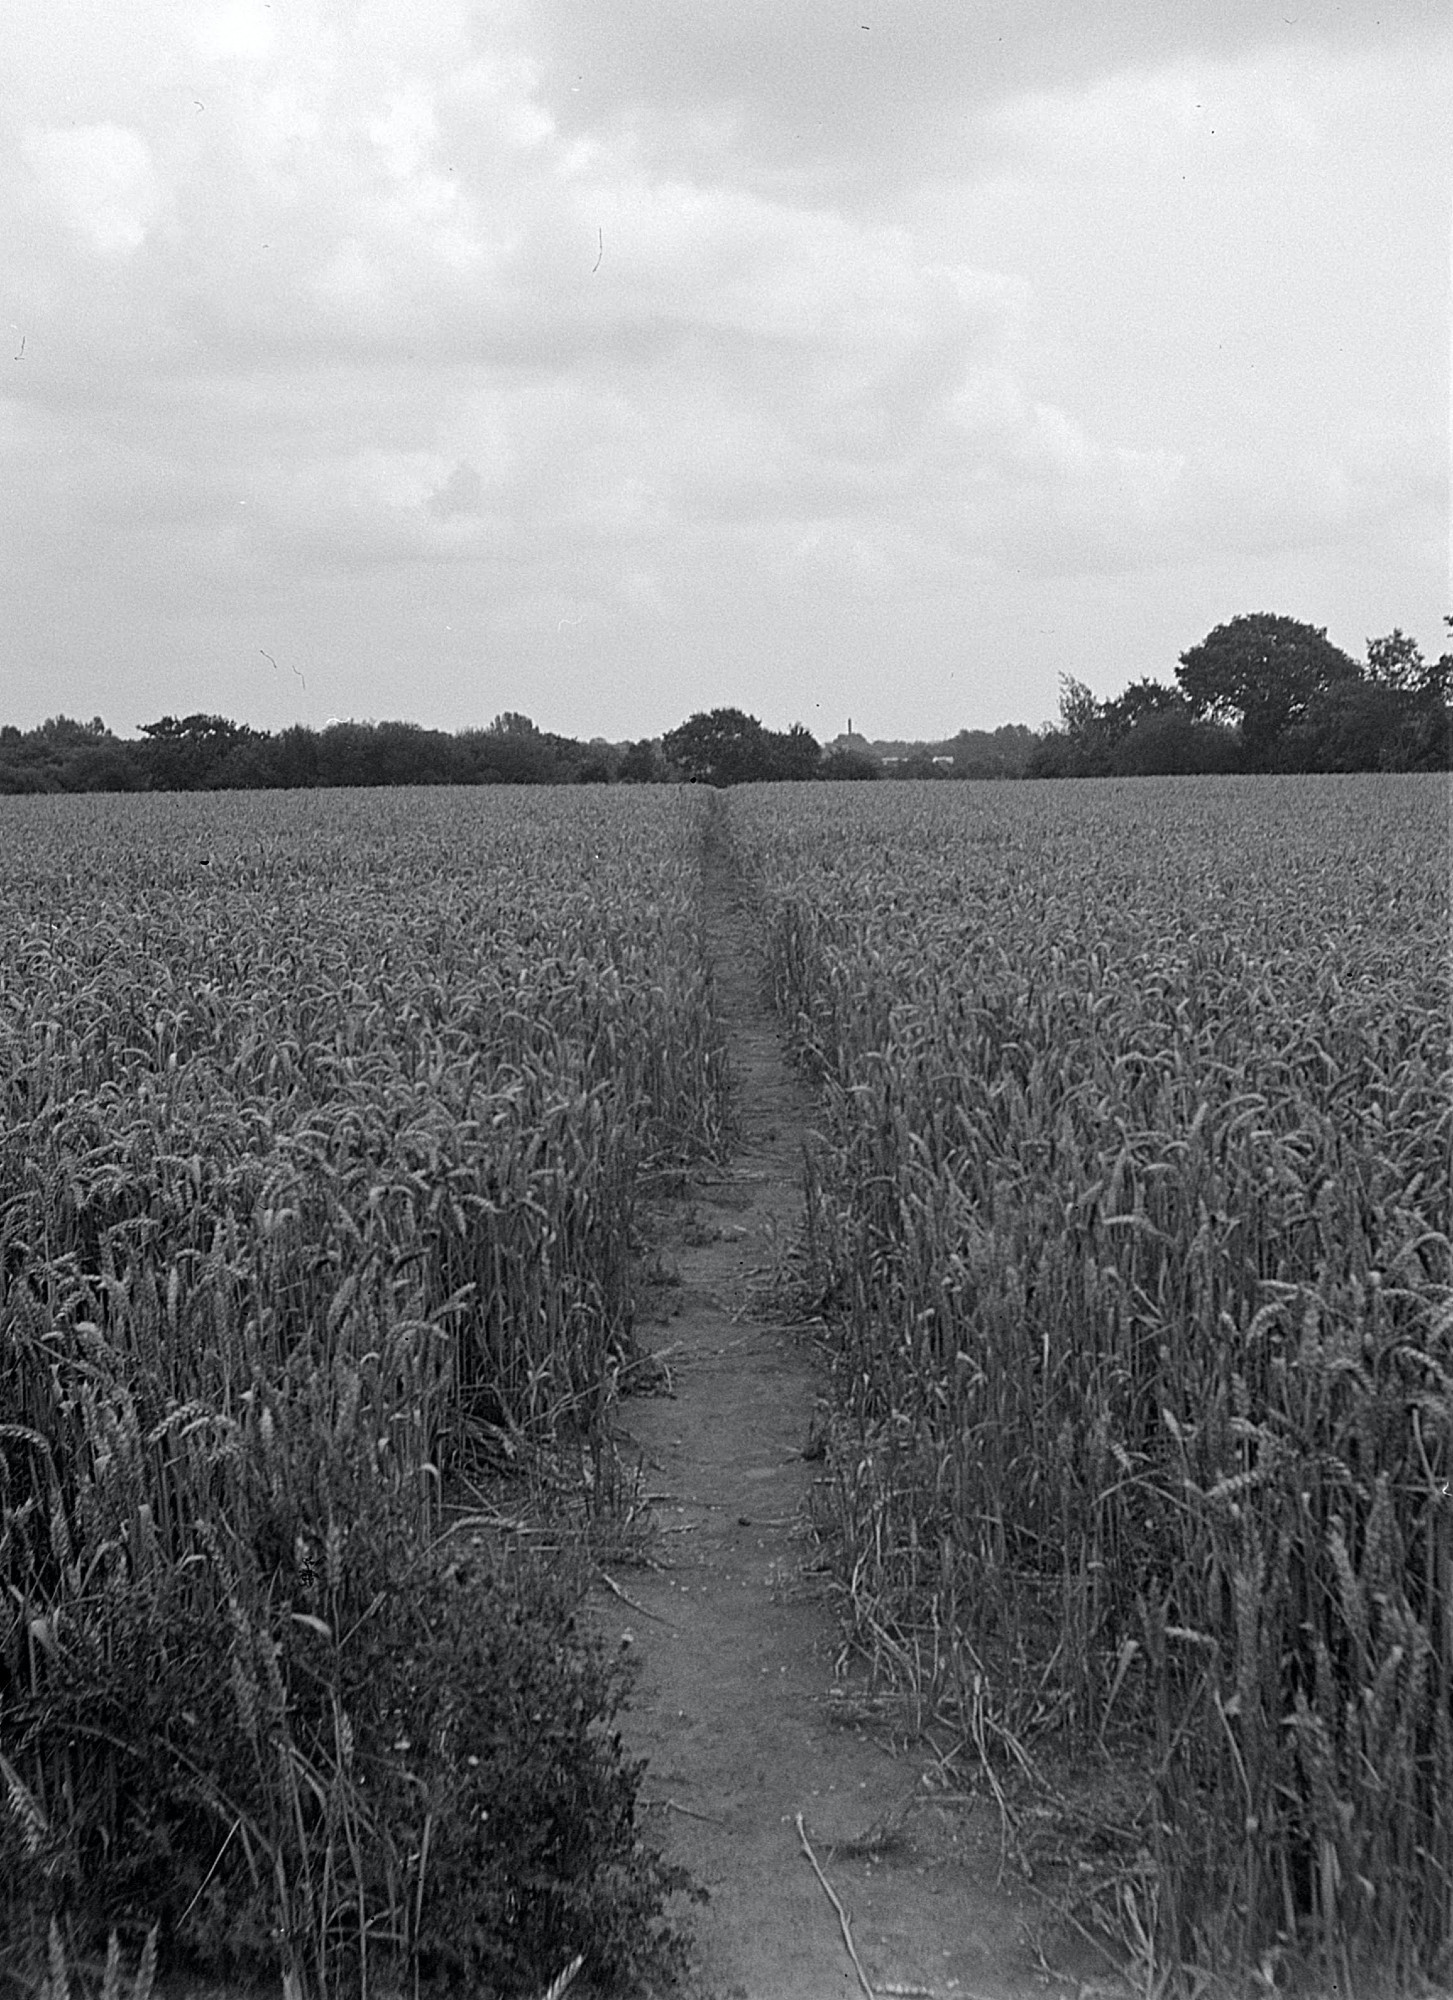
(535, 327)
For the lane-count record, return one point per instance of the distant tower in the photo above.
(850, 725)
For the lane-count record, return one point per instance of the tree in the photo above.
(1139, 701)
(1262, 672)
(849, 764)
(793, 754)
(722, 747)
(726, 747)
(66, 755)
(295, 757)
(1396, 661)
(641, 764)
(1439, 680)
(345, 754)
(65, 732)
(187, 755)
(1002, 753)
(512, 751)
(1167, 742)
(1079, 712)
(1354, 726)
(1080, 746)
(1149, 730)
(918, 764)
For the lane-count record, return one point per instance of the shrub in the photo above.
(432, 1777)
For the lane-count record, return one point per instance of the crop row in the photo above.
(1132, 1213)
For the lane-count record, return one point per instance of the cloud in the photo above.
(842, 94)
(461, 493)
(102, 180)
(1149, 121)
(682, 329)
(242, 30)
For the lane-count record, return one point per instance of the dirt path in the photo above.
(737, 1643)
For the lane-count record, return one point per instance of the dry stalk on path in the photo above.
(842, 1915)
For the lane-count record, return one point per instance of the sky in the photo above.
(608, 360)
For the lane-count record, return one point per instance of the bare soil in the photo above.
(739, 1707)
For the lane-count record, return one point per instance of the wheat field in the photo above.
(323, 1120)
(1131, 1217)
(1127, 1221)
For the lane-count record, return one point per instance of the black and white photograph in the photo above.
(726, 980)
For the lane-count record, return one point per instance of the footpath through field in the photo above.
(737, 1645)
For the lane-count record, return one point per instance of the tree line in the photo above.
(210, 753)
(1261, 693)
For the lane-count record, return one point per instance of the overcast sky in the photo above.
(611, 359)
